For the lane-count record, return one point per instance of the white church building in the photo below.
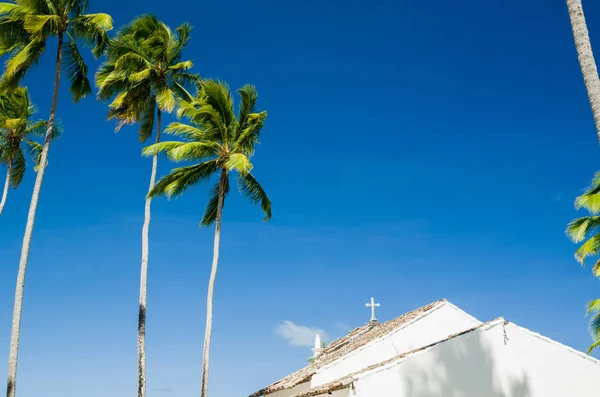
(441, 351)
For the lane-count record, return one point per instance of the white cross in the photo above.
(373, 305)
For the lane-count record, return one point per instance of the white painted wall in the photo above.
(483, 364)
(436, 325)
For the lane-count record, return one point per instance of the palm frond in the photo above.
(185, 131)
(12, 35)
(186, 80)
(180, 179)
(75, 7)
(161, 147)
(249, 96)
(16, 11)
(249, 133)
(181, 38)
(590, 199)
(216, 94)
(238, 162)
(92, 30)
(165, 98)
(210, 212)
(593, 309)
(18, 169)
(186, 65)
(253, 191)
(183, 151)
(593, 346)
(180, 92)
(147, 121)
(140, 76)
(18, 65)
(34, 150)
(579, 228)
(37, 128)
(42, 26)
(589, 248)
(76, 71)
(194, 151)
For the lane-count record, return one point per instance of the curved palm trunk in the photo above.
(144, 275)
(211, 285)
(6, 185)
(586, 58)
(16, 322)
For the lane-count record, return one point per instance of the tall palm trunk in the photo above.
(144, 275)
(586, 58)
(211, 284)
(18, 307)
(6, 185)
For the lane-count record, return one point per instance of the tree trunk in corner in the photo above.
(6, 185)
(16, 322)
(144, 274)
(586, 58)
(211, 285)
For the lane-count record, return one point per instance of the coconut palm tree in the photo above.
(25, 28)
(221, 144)
(586, 57)
(143, 76)
(17, 130)
(588, 228)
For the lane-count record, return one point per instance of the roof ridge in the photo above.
(556, 343)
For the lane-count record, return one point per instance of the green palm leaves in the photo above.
(218, 141)
(145, 71)
(25, 25)
(17, 137)
(17, 132)
(593, 310)
(587, 230)
(587, 227)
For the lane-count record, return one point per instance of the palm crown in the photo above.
(219, 140)
(144, 70)
(588, 228)
(25, 25)
(17, 130)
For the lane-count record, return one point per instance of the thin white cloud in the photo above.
(300, 335)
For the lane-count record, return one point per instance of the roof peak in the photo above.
(354, 340)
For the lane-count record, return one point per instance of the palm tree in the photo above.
(17, 129)
(25, 27)
(586, 58)
(143, 76)
(588, 228)
(222, 144)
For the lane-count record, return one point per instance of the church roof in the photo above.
(343, 346)
(343, 382)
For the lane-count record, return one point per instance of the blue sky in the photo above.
(412, 151)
